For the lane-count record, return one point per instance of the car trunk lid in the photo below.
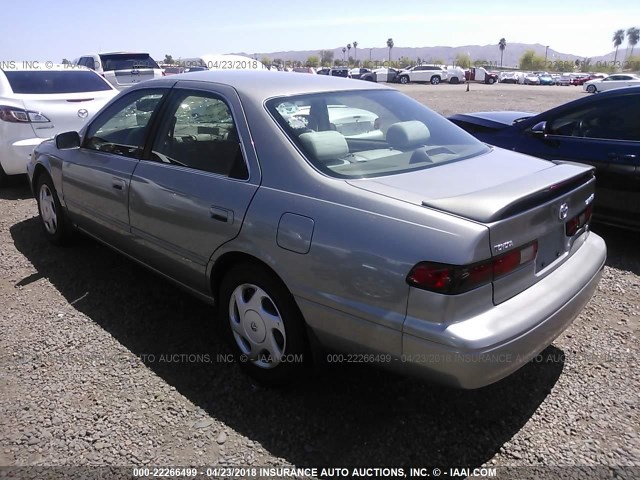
(65, 111)
(520, 199)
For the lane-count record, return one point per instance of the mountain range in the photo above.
(490, 53)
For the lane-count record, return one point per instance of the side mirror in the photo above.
(539, 128)
(67, 140)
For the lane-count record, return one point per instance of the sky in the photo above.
(52, 30)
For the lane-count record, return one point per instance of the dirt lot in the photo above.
(102, 362)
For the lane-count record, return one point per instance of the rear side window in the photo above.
(55, 81)
(127, 61)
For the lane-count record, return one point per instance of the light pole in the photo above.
(370, 53)
(546, 49)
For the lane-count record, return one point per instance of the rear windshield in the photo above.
(127, 61)
(55, 81)
(369, 133)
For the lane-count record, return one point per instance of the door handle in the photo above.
(616, 156)
(117, 184)
(221, 214)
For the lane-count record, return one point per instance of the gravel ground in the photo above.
(103, 363)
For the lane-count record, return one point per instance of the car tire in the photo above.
(262, 324)
(435, 80)
(404, 79)
(55, 223)
(4, 178)
(454, 80)
(591, 89)
(491, 80)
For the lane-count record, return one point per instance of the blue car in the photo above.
(601, 130)
(545, 78)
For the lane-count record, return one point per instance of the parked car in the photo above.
(195, 69)
(324, 71)
(481, 75)
(544, 78)
(508, 77)
(357, 73)
(455, 75)
(611, 82)
(582, 78)
(531, 79)
(304, 70)
(37, 103)
(381, 75)
(172, 70)
(426, 250)
(565, 79)
(433, 74)
(122, 69)
(602, 131)
(339, 72)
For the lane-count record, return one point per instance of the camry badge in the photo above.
(563, 212)
(83, 113)
(500, 247)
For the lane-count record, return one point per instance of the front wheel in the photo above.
(435, 80)
(262, 324)
(55, 223)
(591, 89)
(491, 80)
(404, 79)
(454, 80)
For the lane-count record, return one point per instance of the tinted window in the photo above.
(360, 134)
(121, 129)
(127, 61)
(55, 81)
(615, 118)
(199, 132)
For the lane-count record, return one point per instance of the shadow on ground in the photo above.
(16, 189)
(341, 416)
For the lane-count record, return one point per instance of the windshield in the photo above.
(360, 134)
(55, 81)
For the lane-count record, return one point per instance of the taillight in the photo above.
(579, 221)
(455, 279)
(18, 115)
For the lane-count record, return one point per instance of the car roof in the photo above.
(261, 85)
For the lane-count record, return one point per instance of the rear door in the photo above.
(191, 193)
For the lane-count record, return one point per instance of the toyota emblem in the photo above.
(83, 113)
(563, 212)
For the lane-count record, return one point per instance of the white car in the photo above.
(36, 103)
(122, 69)
(611, 82)
(455, 75)
(433, 74)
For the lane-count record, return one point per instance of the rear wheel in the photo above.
(491, 80)
(55, 224)
(591, 89)
(454, 80)
(404, 79)
(262, 324)
(435, 80)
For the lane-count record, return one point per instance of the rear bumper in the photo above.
(15, 156)
(485, 348)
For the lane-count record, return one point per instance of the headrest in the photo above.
(408, 134)
(325, 145)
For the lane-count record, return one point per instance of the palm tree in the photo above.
(344, 50)
(618, 38)
(390, 46)
(348, 54)
(502, 44)
(633, 35)
(355, 53)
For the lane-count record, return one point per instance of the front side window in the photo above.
(122, 128)
(358, 134)
(199, 132)
(613, 119)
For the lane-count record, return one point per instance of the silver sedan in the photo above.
(417, 248)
